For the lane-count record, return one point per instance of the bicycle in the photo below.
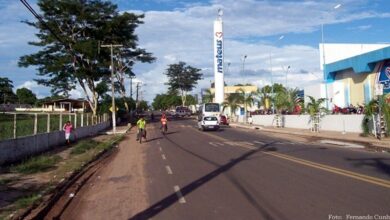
(140, 135)
(164, 129)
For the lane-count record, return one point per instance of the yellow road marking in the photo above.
(358, 176)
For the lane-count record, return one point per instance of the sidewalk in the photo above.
(334, 136)
(120, 129)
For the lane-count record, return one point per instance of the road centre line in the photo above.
(346, 173)
(259, 142)
(358, 176)
(169, 170)
(213, 144)
(160, 149)
(179, 194)
(163, 156)
(247, 143)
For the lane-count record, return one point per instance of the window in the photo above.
(210, 118)
(211, 107)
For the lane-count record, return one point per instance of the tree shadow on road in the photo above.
(380, 164)
(154, 139)
(172, 198)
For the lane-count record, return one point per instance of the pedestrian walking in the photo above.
(68, 127)
(250, 120)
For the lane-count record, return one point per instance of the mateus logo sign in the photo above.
(384, 77)
(219, 56)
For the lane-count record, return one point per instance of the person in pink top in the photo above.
(68, 130)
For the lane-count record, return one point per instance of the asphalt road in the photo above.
(234, 174)
(246, 174)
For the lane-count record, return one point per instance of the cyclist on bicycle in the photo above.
(141, 124)
(164, 123)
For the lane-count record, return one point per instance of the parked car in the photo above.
(182, 111)
(208, 123)
(223, 120)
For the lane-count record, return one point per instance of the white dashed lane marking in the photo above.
(169, 170)
(213, 144)
(163, 157)
(179, 194)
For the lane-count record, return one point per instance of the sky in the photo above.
(183, 31)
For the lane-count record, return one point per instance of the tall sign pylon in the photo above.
(218, 58)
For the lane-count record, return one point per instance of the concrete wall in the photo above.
(17, 149)
(347, 123)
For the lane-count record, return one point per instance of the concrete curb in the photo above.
(331, 140)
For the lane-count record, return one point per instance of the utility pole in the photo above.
(131, 86)
(136, 95)
(113, 107)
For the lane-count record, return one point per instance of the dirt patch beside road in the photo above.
(117, 190)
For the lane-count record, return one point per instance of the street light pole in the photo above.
(243, 63)
(131, 86)
(272, 78)
(288, 68)
(113, 107)
(323, 60)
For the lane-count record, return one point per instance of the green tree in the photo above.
(6, 93)
(26, 96)
(314, 106)
(191, 100)
(159, 102)
(166, 101)
(208, 96)
(183, 78)
(292, 95)
(71, 34)
(125, 60)
(280, 100)
(142, 106)
(233, 101)
(372, 108)
(247, 99)
(264, 96)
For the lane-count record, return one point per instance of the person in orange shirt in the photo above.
(164, 123)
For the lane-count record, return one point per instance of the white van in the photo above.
(182, 111)
(208, 123)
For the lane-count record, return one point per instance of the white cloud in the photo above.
(29, 85)
(39, 90)
(361, 28)
(185, 34)
(76, 94)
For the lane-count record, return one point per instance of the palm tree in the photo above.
(292, 95)
(314, 109)
(208, 96)
(372, 108)
(246, 99)
(314, 106)
(281, 100)
(233, 101)
(263, 95)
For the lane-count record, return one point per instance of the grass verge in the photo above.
(36, 164)
(84, 146)
(80, 155)
(27, 200)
